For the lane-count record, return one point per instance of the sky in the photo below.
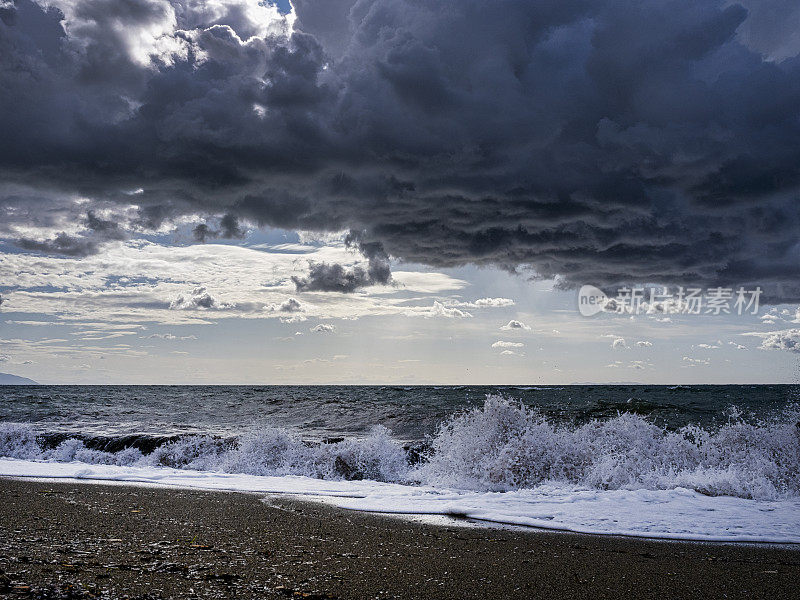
(372, 191)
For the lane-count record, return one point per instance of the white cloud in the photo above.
(137, 281)
(510, 353)
(101, 335)
(290, 309)
(514, 324)
(421, 283)
(493, 302)
(788, 340)
(440, 310)
(482, 303)
(198, 299)
(293, 319)
(502, 344)
(696, 362)
(737, 346)
(287, 306)
(619, 344)
(323, 328)
(644, 344)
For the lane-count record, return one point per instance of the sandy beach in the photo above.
(74, 540)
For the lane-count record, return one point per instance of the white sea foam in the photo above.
(669, 514)
(501, 462)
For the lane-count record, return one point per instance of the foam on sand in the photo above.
(670, 514)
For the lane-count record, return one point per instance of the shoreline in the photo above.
(119, 540)
(427, 519)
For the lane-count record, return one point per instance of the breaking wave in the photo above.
(270, 451)
(505, 445)
(500, 446)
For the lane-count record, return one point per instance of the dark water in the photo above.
(318, 412)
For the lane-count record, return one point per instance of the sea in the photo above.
(708, 462)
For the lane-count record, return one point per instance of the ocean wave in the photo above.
(505, 445)
(269, 451)
(500, 446)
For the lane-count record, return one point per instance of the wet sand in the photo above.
(74, 540)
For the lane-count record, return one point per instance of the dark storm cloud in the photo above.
(325, 277)
(228, 228)
(104, 228)
(63, 243)
(378, 271)
(203, 232)
(603, 141)
(96, 232)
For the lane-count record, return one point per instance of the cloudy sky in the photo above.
(360, 191)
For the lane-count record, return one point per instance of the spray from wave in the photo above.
(505, 445)
(500, 446)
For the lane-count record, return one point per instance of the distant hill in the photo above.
(9, 379)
